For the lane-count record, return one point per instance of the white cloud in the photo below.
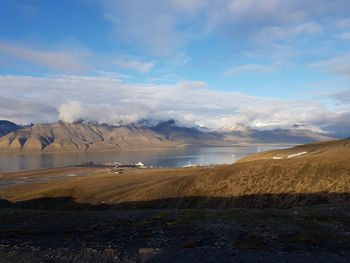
(345, 35)
(112, 75)
(307, 28)
(343, 23)
(342, 96)
(139, 66)
(62, 60)
(166, 26)
(71, 111)
(107, 100)
(179, 59)
(254, 10)
(103, 113)
(338, 65)
(186, 5)
(275, 12)
(151, 25)
(250, 68)
(270, 34)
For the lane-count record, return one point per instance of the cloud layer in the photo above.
(139, 66)
(63, 60)
(107, 100)
(338, 65)
(159, 24)
(250, 67)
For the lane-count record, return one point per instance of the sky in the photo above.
(213, 63)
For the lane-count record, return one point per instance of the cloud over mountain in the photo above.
(104, 99)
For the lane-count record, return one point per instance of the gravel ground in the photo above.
(308, 234)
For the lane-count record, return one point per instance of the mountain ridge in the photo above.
(85, 136)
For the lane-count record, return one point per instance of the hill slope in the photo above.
(328, 150)
(320, 176)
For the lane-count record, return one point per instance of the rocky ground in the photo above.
(309, 234)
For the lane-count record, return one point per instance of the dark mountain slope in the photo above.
(7, 127)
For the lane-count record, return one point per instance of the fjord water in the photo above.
(157, 158)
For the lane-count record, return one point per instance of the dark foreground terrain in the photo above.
(308, 234)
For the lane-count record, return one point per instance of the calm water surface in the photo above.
(158, 158)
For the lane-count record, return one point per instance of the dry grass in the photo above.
(95, 189)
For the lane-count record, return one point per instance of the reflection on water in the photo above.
(162, 158)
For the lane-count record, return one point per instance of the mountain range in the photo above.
(86, 136)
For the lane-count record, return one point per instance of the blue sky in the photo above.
(267, 63)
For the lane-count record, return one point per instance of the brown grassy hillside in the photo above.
(321, 176)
